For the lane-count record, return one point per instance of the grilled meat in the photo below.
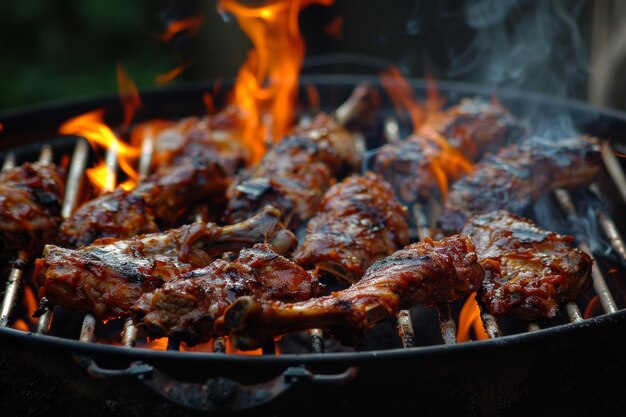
(162, 199)
(441, 150)
(194, 161)
(529, 271)
(475, 126)
(420, 167)
(428, 272)
(187, 306)
(107, 277)
(294, 175)
(359, 222)
(30, 208)
(518, 175)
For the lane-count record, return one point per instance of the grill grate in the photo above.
(404, 323)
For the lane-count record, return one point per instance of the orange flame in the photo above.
(190, 24)
(169, 76)
(445, 162)
(266, 85)
(92, 127)
(128, 94)
(470, 318)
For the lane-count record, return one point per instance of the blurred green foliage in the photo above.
(62, 49)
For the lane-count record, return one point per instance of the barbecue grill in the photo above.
(70, 362)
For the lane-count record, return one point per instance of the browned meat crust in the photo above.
(441, 150)
(518, 175)
(294, 174)
(529, 272)
(428, 272)
(107, 277)
(162, 199)
(359, 222)
(187, 306)
(475, 126)
(30, 208)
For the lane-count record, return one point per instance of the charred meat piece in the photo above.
(441, 150)
(161, 200)
(518, 175)
(187, 306)
(428, 272)
(420, 167)
(214, 138)
(359, 222)
(294, 175)
(475, 126)
(107, 277)
(30, 208)
(529, 272)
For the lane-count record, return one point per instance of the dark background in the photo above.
(54, 51)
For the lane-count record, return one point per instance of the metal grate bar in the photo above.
(447, 324)
(110, 159)
(608, 225)
(14, 282)
(130, 332)
(614, 168)
(599, 283)
(316, 337)
(573, 313)
(490, 324)
(219, 345)
(70, 200)
(405, 328)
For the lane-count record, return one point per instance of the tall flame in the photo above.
(267, 83)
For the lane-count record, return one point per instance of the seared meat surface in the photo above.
(441, 150)
(358, 223)
(107, 277)
(518, 175)
(294, 175)
(187, 306)
(195, 159)
(30, 208)
(428, 272)
(529, 272)
(420, 167)
(475, 126)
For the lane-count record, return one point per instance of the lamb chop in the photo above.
(529, 272)
(294, 175)
(359, 222)
(442, 149)
(30, 208)
(107, 277)
(518, 175)
(428, 272)
(195, 160)
(187, 306)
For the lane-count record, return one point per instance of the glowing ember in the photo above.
(267, 83)
(191, 25)
(128, 94)
(169, 76)
(470, 318)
